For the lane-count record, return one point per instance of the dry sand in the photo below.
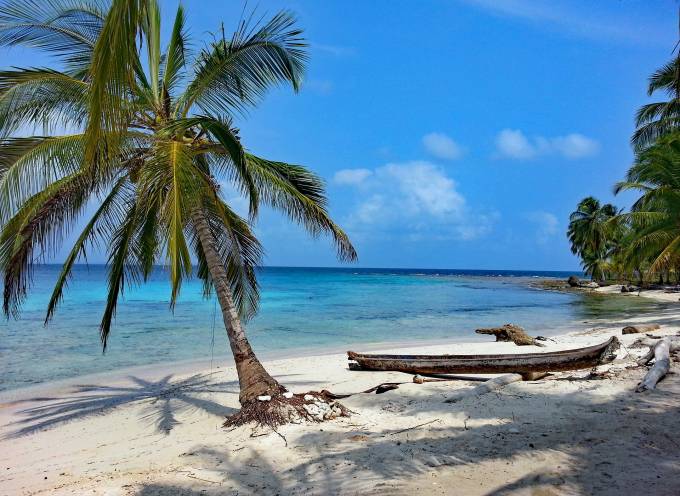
(656, 294)
(157, 431)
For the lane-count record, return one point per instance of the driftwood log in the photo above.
(651, 342)
(640, 329)
(510, 332)
(662, 363)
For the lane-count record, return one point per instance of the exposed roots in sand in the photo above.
(310, 407)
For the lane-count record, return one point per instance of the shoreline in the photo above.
(182, 367)
(223, 361)
(158, 432)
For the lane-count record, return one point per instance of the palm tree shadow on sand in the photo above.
(164, 399)
(331, 462)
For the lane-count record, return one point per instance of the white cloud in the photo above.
(642, 26)
(415, 198)
(424, 186)
(351, 176)
(514, 144)
(547, 225)
(442, 146)
(575, 145)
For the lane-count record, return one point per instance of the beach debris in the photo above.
(414, 427)
(485, 387)
(359, 437)
(640, 329)
(321, 410)
(423, 378)
(510, 332)
(533, 376)
(288, 408)
(662, 363)
(651, 342)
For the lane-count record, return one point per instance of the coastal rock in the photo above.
(573, 281)
(591, 285)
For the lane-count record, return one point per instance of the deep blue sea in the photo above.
(301, 309)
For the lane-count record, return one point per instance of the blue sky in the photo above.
(452, 133)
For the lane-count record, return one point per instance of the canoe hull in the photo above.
(582, 358)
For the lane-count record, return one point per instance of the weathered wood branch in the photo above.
(662, 363)
(510, 332)
(652, 342)
(485, 387)
(640, 329)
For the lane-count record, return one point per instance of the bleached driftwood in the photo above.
(485, 387)
(640, 329)
(662, 363)
(650, 342)
(510, 332)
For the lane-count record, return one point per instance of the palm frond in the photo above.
(41, 97)
(299, 194)
(100, 224)
(121, 267)
(234, 74)
(40, 224)
(233, 164)
(113, 71)
(29, 165)
(236, 245)
(66, 28)
(151, 26)
(176, 53)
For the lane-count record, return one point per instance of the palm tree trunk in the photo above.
(254, 380)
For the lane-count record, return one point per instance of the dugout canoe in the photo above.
(521, 363)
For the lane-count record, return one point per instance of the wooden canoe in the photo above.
(521, 363)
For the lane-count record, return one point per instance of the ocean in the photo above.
(302, 310)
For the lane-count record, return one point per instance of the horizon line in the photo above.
(345, 267)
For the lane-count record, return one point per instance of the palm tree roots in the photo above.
(312, 407)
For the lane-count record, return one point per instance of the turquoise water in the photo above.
(301, 308)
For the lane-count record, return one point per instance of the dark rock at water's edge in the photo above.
(629, 288)
(575, 282)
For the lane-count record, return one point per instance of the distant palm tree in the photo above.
(150, 137)
(655, 216)
(590, 234)
(659, 118)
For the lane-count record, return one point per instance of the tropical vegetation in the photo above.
(643, 244)
(136, 143)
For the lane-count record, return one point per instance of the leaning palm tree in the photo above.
(150, 140)
(655, 230)
(663, 117)
(591, 234)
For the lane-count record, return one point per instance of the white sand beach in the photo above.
(655, 294)
(157, 431)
